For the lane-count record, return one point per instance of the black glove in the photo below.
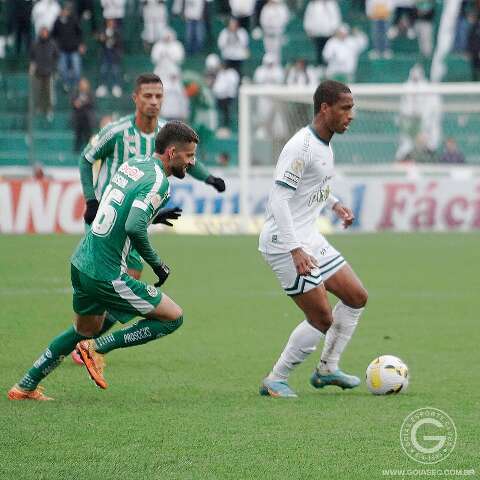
(162, 272)
(216, 182)
(166, 214)
(90, 211)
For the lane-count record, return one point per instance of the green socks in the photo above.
(142, 332)
(51, 358)
(59, 348)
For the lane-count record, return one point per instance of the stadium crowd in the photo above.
(53, 33)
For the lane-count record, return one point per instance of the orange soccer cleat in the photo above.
(17, 393)
(94, 361)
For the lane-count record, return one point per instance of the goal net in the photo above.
(394, 125)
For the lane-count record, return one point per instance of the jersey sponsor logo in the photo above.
(131, 172)
(319, 196)
(119, 180)
(152, 291)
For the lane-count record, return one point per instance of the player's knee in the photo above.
(321, 319)
(88, 330)
(359, 298)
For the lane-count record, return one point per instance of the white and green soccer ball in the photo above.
(387, 374)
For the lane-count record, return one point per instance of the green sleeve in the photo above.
(136, 228)
(86, 178)
(199, 171)
(101, 145)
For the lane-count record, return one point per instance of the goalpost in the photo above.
(395, 125)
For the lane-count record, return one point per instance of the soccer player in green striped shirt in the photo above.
(128, 137)
(100, 281)
(119, 141)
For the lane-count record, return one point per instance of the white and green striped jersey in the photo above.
(115, 144)
(139, 188)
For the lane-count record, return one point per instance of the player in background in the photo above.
(100, 281)
(306, 265)
(125, 138)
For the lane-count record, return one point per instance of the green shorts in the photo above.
(124, 297)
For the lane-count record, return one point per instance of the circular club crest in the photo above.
(152, 291)
(428, 435)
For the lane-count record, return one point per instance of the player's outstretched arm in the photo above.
(200, 172)
(86, 179)
(136, 229)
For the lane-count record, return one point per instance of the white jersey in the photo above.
(305, 165)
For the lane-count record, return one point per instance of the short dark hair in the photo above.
(145, 78)
(328, 92)
(174, 132)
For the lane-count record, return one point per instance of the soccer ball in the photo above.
(387, 374)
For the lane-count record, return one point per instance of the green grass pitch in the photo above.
(187, 406)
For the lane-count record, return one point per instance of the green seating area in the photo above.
(52, 142)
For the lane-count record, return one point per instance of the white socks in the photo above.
(345, 320)
(302, 342)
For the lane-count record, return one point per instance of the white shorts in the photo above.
(329, 261)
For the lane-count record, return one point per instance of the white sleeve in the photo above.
(331, 201)
(290, 167)
(281, 213)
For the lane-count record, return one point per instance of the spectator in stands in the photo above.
(243, 11)
(85, 10)
(223, 159)
(269, 121)
(112, 53)
(193, 13)
(83, 115)
(322, 19)
(473, 46)
(44, 14)
(403, 19)
(212, 66)
(420, 119)
(68, 35)
(300, 73)
(379, 13)
(43, 65)
(451, 153)
(341, 53)
(225, 91)
(233, 45)
(425, 15)
(273, 20)
(114, 10)
(464, 23)
(21, 24)
(175, 104)
(167, 54)
(155, 21)
(421, 153)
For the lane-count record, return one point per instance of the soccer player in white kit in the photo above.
(306, 265)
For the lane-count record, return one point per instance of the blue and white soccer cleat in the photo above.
(276, 389)
(337, 378)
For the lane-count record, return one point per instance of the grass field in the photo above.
(187, 406)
